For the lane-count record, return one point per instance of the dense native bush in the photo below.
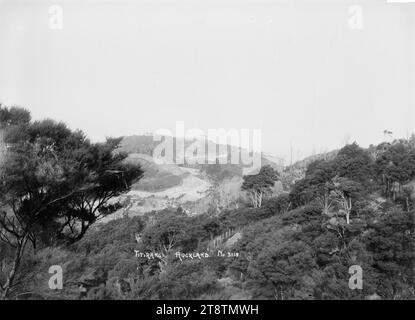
(356, 209)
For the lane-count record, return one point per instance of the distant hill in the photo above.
(145, 144)
(303, 164)
(297, 170)
(193, 187)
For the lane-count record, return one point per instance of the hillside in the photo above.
(295, 246)
(343, 229)
(188, 186)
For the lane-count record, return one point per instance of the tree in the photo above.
(396, 167)
(3, 148)
(316, 185)
(320, 175)
(55, 184)
(105, 176)
(352, 163)
(164, 235)
(259, 184)
(343, 193)
(391, 240)
(355, 163)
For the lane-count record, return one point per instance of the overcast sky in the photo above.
(295, 69)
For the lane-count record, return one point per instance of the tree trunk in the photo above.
(259, 199)
(326, 203)
(16, 263)
(348, 209)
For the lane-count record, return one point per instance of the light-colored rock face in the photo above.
(168, 185)
(192, 188)
(232, 240)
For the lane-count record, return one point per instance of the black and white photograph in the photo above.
(223, 151)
